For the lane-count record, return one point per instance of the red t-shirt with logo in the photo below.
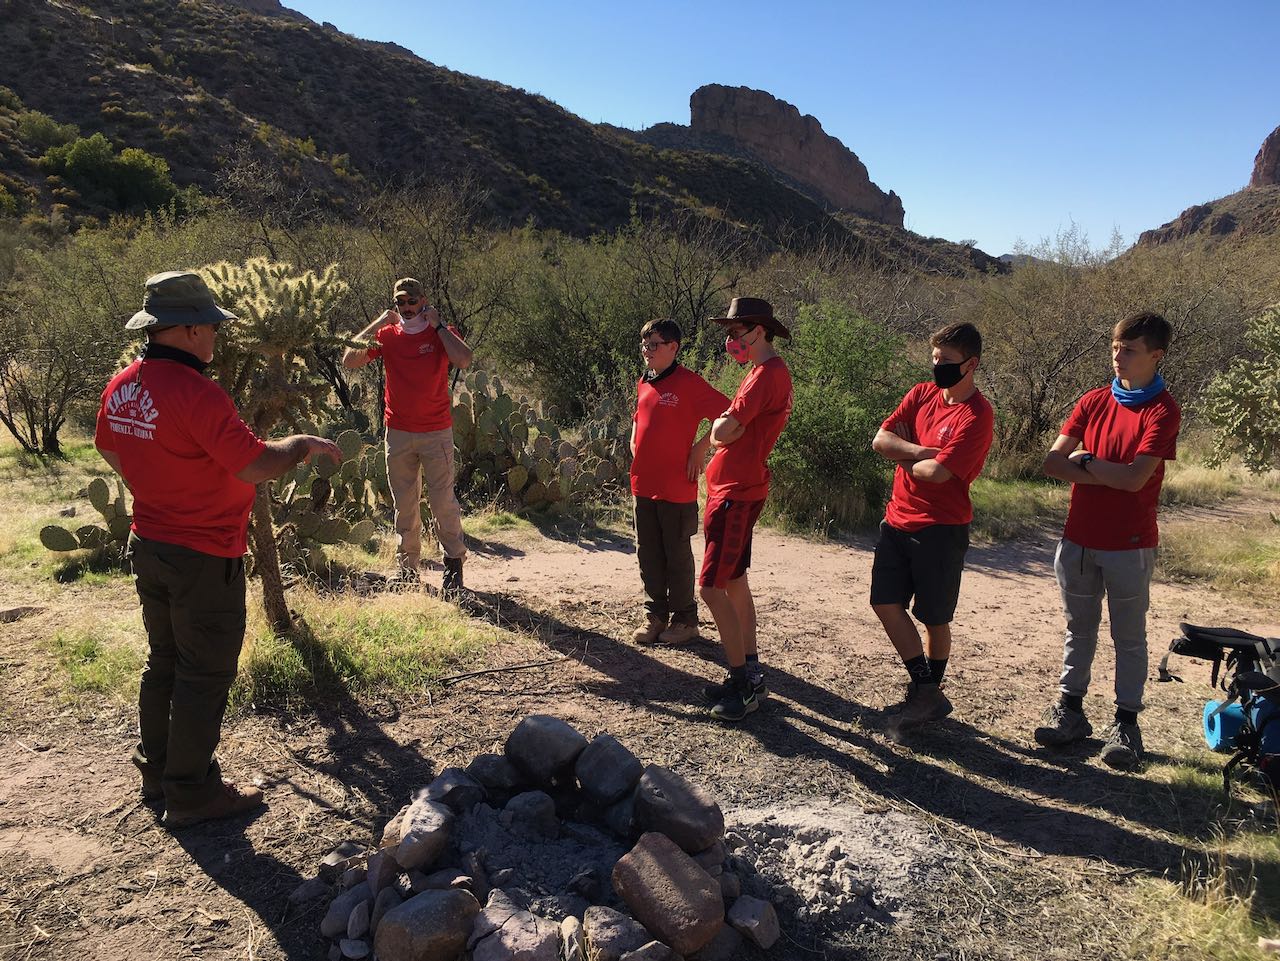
(962, 434)
(417, 377)
(180, 442)
(668, 412)
(762, 406)
(1104, 518)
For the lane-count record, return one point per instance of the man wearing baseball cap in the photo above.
(737, 485)
(417, 348)
(191, 463)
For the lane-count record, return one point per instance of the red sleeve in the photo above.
(967, 447)
(1160, 434)
(102, 433)
(216, 426)
(375, 349)
(1079, 419)
(712, 403)
(755, 397)
(905, 411)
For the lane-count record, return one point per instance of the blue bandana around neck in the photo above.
(1133, 398)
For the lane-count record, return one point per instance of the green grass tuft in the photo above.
(99, 661)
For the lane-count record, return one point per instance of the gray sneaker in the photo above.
(1123, 749)
(924, 703)
(1062, 726)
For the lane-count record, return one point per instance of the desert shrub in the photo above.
(133, 180)
(1243, 402)
(848, 374)
(41, 131)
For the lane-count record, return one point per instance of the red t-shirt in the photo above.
(417, 378)
(668, 412)
(180, 442)
(962, 434)
(1104, 518)
(762, 406)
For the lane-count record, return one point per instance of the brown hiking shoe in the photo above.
(650, 633)
(678, 633)
(231, 801)
(924, 703)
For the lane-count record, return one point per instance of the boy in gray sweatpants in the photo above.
(1112, 450)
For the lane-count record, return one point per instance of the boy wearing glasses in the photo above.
(416, 348)
(671, 401)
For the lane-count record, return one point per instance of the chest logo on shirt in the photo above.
(668, 400)
(944, 432)
(427, 349)
(131, 411)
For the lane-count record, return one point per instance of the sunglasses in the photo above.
(408, 301)
(648, 345)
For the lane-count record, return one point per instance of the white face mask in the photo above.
(415, 324)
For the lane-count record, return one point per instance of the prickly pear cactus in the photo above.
(111, 537)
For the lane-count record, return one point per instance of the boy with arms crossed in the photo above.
(737, 485)
(671, 401)
(1112, 450)
(939, 435)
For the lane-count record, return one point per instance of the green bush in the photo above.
(134, 180)
(848, 374)
(41, 131)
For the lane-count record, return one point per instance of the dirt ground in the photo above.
(976, 843)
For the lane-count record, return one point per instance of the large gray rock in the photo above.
(497, 775)
(441, 880)
(345, 855)
(432, 926)
(531, 815)
(610, 934)
(335, 919)
(725, 946)
(756, 919)
(669, 893)
(358, 922)
(382, 871)
(683, 811)
(391, 830)
(606, 770)
(456, 789)
(387, 899)
(424, 833)
(505, 932)
(542, 747)
(620, 818)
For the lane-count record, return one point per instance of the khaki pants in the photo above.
(663, 530)
(410, 458)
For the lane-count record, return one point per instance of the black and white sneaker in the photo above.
(736, 704)
(713, 693)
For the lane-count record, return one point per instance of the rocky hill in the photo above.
(197, 82)
(1253, 211)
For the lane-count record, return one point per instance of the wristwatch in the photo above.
(1085, 460)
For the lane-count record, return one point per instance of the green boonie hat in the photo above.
(409, 287)
(177, 298)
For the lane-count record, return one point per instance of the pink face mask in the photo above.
(738, 349)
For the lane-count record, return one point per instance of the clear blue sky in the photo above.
(992, 121)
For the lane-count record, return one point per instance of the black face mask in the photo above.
(947, 375)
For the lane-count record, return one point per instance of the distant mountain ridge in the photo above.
(1253, 211)
(190, 81)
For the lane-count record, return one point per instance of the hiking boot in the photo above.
(1123, 749)
(736, 703)
(1062, 726)
(230, 801)
(678, 633)
(713, 693)
(152, 789)
(650, 633)
(924, 703)
(451, 585)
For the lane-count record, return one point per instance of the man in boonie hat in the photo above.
(737, 485)
(416, 348)
(191, 464)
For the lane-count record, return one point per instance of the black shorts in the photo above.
(925, 564)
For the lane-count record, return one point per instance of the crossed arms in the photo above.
(1063, 462)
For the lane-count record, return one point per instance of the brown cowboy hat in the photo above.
(753, 310)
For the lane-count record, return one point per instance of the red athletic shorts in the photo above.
(727, 526)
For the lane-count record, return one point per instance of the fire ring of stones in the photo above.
(558, 848)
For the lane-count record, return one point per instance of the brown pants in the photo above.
(663, 530)
(410, 458)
